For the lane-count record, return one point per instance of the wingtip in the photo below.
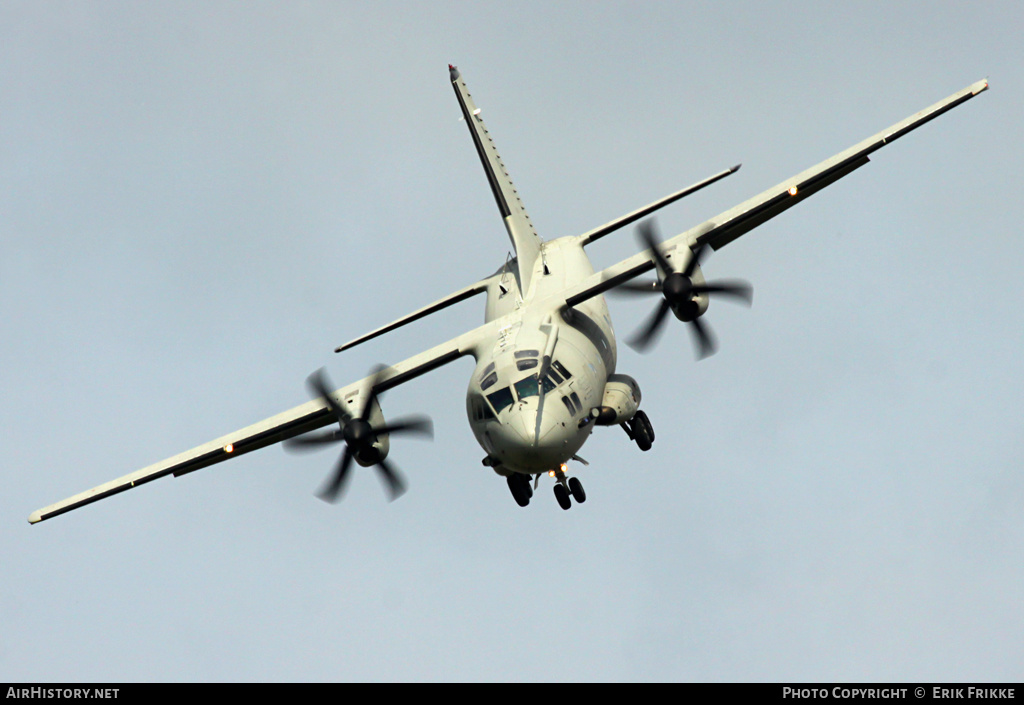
(453, 72)
(735, 168)
(35, 518)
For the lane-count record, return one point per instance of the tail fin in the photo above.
(520, 230)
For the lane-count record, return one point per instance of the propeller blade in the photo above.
(396, 487)
(705, 341)
(735, 288)
(695, 259)
(635, 287)
(368, 394)
(312, 441)
(653, 243)
(358, 434)
(331, 492)
(642, 339)
(319, 385)
(410, 424)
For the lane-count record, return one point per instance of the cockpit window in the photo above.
(500, 399)
(527, 353)
(526, 364)
(569, 406)
(489, 380)
(527, 387)
(561, 368)
(576, 400)
(481, 412)
(549, 383)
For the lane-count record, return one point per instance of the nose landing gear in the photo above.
(565, 488)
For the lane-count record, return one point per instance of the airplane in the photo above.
(545, 375)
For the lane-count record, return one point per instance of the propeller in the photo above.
(358, 435)
(678, 291)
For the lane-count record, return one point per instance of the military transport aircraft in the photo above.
(545, 374)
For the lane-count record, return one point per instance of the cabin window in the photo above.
(500, 399)
(576, 400)
(527, 387)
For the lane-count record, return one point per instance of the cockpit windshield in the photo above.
(500, 399)
(527, 387)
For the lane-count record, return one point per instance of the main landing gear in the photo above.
(519, 485)
(566, 489)
(640, 431)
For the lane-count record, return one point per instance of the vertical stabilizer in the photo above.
(517, 222)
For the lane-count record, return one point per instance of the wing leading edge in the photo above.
(726, 227)
(305, 417)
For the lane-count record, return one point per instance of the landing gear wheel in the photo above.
(576, 488)
(519, 485)
(562, 495)
(643, 432)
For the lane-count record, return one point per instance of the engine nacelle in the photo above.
(621, 400)
(379, 450)
(697, 306)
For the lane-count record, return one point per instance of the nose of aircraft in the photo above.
(525, 445)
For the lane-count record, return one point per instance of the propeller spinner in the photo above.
(679, 294)
(359, 436)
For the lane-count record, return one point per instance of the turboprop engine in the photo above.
(362, 430)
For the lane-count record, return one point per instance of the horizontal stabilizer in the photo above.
(460, 295)
(589, 237)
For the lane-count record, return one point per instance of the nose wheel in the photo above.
(568, 490)
(562, 495)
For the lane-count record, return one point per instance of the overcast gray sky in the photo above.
(201, 200)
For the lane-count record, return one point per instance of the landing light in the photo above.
(792, 190)
(229, 448)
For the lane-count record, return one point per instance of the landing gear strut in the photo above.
(640, 431)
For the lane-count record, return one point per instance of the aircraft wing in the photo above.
(726, 227)
(305, 417)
